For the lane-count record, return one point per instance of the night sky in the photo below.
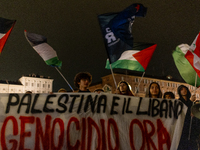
(72, 29)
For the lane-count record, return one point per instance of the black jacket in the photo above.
(186, 142)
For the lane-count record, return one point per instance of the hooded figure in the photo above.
(124, 88)
(187, 102)
(186, 142)
(148, 92)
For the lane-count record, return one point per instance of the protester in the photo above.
(28, 92)
(169, 95)
(154, 91)
(189, 138)
(98, 91)
(185, 96)
(82, 80)
(124, 88)
(62, 90)
(117, 91)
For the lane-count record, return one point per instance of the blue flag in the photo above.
(117, 31)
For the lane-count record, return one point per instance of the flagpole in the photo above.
(64, 79)
(192, 104)
(195, 84)
(139, 82)
(113, 76)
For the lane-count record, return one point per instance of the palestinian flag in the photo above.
(136, 59)
(48, 54)
(6, 27)
(117, 30)
(185, 69)
(193, 55)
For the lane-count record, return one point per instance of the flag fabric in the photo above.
(193, 54)
(6, 27)
(117, 31)
(48, 54)
(185, 69)
(136, 59)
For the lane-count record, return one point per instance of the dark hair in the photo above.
(62, 90)
(148, 94)
(97, 90)
(129, 91)
(169, 93)
(179, 91)
(82, 75)
(28, 92)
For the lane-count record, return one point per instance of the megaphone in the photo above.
(195, 109)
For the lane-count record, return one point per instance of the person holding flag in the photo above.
(191, 128)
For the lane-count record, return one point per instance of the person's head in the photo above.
(169, 95)
(62, 90)
(82, 80)
(183, 91)
(154, 91)
(98, 91)
(28, 92)
(125, 88)
(117, 91)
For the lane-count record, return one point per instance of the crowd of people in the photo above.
(83, 80)
(190, 137)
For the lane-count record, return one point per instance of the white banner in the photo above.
(89, 121)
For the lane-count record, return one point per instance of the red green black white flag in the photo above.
(6, 27)
(39, 44)
(136, 59)
(193, 54)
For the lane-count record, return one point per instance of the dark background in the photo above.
(72, 29)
